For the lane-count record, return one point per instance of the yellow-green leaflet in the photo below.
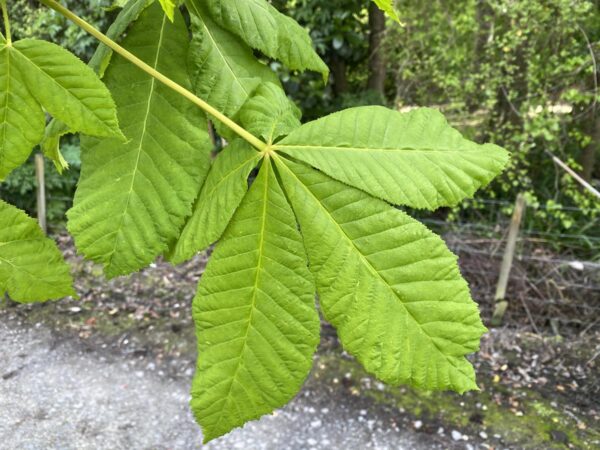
(31, 266)
(270, 113)
(225, 187)
(21, 116)
(255, 315)
(415, 159)
(133, 197)
(37, 74)
(262, 27)
(225, 72)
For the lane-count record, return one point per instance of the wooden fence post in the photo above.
(507, 261)
(40, 176)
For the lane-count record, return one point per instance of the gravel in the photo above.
(57, 394)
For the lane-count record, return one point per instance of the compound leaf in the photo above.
(21, 117)
(225, 187)
(225, 72)
(414, 159)
(387, 6)
(389, 285)
(270, 113)
(264, 28)
(66, 87)
(133, 197)
(257, 325)
(31, 266)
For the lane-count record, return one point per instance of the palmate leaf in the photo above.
(414, 159)
(225, 187)
(98, 63)
(31, 266)
(389, 285)
(133, 197)
(264, 28)
(257, 326)
(225, 72)
(36, 74)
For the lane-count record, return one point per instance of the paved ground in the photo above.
(57, 394)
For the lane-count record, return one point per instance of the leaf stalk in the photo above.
(6, 21)
(240, 131)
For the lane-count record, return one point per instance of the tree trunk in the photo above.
(482, 36)
(377, 69)
(340, 77)
(590, 153)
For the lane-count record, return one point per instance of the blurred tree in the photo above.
(521, 73)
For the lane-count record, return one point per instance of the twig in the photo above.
(574, 174)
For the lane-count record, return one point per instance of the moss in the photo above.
(521, 417)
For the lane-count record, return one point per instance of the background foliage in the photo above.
(519, 73)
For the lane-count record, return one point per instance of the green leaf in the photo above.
(389, 285)
(225, 187)
(21, 117)
(133, 197)
(169, 7)
(264, 28)
(31, 266)
(66, 87)
(257, 326)
(50, 145)
(270, 113)
(129, 14)
(225, 72)
(98, 63)
(387, 6)
(414, 159)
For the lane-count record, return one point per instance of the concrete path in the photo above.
(56, 394)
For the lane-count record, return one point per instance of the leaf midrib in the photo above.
(370, 267)
(5, 119)
(284, 147)
(267, 167)
(141, 143)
